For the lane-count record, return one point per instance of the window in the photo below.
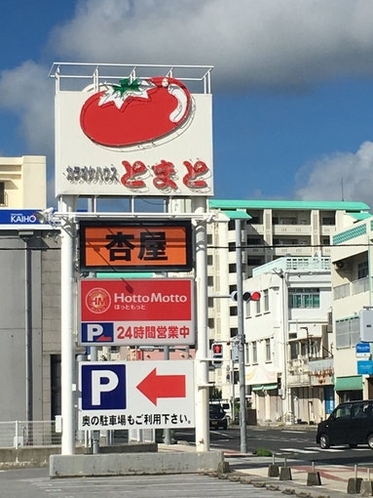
(293, 350)
(232, 288)
(247, 307)
(255, 352)
(265, 299)
(328, 220)
(268, 350)
(233, 311)
(247, 353)
(232, 268)
(2, 193)
(343, 411)
(233, 332)
(347, 332)
(231, 246)
(255, 261)
(362, 269)
(257, 310)
(304, 297)
(254, 241)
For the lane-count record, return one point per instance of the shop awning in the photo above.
(354, 383)
(264, 387)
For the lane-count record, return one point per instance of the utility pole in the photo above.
(241, 338)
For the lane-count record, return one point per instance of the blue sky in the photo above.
(292, 82)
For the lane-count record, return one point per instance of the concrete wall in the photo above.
(134, 464)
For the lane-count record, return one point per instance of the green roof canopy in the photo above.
(277, 204)
(354, 383)
(236, 214)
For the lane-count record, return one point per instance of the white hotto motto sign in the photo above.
(142, 136)
(137, 394)
(137, 312)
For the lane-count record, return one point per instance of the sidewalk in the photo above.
(335, 480)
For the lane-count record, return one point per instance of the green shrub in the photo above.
(264, 452)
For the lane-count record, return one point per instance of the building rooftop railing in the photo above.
(72, 76)
(287, 264)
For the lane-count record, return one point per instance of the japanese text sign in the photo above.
(137, 394)
(156, 311)
(145, 137)
(136, 245)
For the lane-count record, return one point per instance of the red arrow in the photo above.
(162, 386)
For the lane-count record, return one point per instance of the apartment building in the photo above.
(352, 263)
(269, 230)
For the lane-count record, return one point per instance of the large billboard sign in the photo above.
(137, 312)
(163, 245)
(140, 136)
(138, 394)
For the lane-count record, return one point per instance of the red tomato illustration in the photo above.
(135, 112)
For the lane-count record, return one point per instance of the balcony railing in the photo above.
(351, 288)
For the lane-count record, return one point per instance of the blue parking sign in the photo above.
(103, 386)
(97, 332)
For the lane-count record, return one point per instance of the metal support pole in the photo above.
(166, 432)
(28, 332)
(67, 327)
(241, 338)
(202, 368)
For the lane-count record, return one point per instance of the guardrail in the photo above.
(17, 433)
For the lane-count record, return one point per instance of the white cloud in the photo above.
(340, 176)
(265, 43)
(28, 92)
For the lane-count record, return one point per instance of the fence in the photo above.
(30, 433)
(17, 433)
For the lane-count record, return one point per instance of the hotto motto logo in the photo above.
(135, 111)
(98, 300)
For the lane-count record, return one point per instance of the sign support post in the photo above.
(68, 241)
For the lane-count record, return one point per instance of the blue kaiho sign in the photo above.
(18, 217)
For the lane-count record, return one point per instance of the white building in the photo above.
(352, 269)
(289, 363)
(23, 182)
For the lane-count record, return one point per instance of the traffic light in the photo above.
(247, 296)
(217, 354)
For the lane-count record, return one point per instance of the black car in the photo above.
(350, 423)
(218, 418)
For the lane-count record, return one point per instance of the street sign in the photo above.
(21, 219)
(136, 395)
(138, 312)
(136, 245)
(362, 350)
(364, 367)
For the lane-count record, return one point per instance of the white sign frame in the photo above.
(172, 408)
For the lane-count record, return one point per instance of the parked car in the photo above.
(350, 423)
(218, 417)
